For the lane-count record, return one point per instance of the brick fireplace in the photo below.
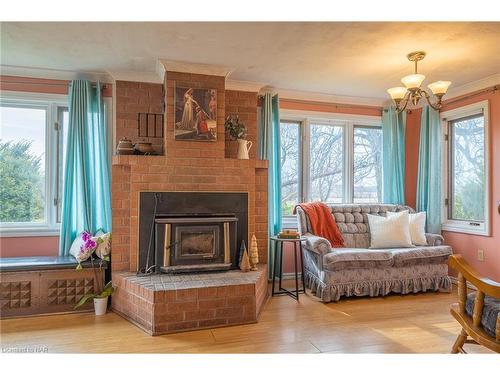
(186, 301)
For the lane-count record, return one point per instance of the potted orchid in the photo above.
(99, 245)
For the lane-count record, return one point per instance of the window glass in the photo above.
(367, 164)
(290, 166)
(326, 163)
(22, 164)
(467, 172)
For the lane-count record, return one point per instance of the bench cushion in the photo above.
(352, 258)
(491, 310)
(405, 257)
(42, 263)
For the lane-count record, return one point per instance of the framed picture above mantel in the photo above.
(195, 117)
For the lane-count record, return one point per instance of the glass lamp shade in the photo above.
(413, 81)
(397, 93)
(439, 87)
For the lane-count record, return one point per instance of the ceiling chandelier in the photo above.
(412, 92)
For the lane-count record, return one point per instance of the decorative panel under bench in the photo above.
(25, 292)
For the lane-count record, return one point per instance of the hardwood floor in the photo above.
(418, 323)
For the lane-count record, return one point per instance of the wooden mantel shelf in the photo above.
(133, 159)
(140, 159)
(261, 164)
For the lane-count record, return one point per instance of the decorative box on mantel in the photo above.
(165, 303)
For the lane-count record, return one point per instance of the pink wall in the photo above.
(304, 105)
(41, 85)
(411, 157)
(465, 244)
(288, 259)
(28, 246)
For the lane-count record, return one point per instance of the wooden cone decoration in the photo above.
(254, 253)
(244, 260)
(240, 253)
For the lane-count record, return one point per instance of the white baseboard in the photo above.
(291, 275)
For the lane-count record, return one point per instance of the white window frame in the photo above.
(51, 103)
(348, 121)
(468, 227)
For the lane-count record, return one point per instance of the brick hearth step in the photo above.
(167, 303)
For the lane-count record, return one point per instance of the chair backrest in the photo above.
(352, 220)
(486, 288)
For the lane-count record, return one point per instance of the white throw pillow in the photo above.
(417, 227)
(387, 232)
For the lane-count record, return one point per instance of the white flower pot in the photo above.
(100, 305)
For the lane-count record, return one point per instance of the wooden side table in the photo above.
(278, 268)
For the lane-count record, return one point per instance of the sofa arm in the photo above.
(434, 239)
(316, 244)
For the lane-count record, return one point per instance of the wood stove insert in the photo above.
(195, 243)
(203, 212)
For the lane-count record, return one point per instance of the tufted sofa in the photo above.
(356, 270)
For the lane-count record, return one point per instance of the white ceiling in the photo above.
(351, 59)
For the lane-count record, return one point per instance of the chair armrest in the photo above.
(434, 239)
(316, 244)
(485, 285)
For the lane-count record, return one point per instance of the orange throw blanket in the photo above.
(322, 222)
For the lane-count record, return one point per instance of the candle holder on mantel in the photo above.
(149, 125)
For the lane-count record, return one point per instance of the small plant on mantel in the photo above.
(238, 131)
(235, 127)
(101, 248)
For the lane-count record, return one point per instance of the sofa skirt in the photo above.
(332, 285)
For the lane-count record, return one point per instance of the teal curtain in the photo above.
(86, 200)
(270, 149)
(393, 156)
(429, 169)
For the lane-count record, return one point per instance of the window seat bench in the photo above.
(45, 285)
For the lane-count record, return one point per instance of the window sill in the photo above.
(28, 232)
(466, 229)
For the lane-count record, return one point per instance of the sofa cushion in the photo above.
(491, 310)
(420, 255)
(417, 227)
(392, 231)
(357, 240)
(348, 258)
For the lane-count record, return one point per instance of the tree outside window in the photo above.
(290, 166)
(22, 165)
(467, 175)
(324, 152)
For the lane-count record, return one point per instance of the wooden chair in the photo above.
(471, 327)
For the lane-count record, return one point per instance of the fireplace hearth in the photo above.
(187, 232)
